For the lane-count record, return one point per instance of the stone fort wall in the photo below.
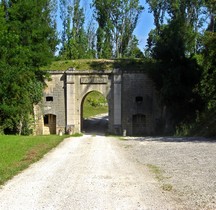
(140, 109)
(132, 99)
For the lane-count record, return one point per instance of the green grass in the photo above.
(77, 135)
(98, 64)
(157, 171)
(18, 152)
(160, 177)
(92, 111)
(95, 103)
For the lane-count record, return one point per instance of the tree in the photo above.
(166, 11)
(133, 50)
(125, 24)
(32, 22)
(158, 8)
(91, 36)
(27, 42)
(74, 38)
(208, 82)
(78, 41)
(65, 9)
(116, 23)
(102, 14)
(175, 71)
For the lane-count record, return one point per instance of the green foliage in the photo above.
(116, 23)
(176, 41)
(205, 124)
(184, 68)
(3, 25)
(176, 83)
(175, 75)
(75, 39)
(27, 41)
(113, 36)
(32, 23)
(176, 72)
(96, 100)
(77, 135)
(132, 51)
(208, 82)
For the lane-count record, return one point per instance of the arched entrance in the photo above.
(94, 113)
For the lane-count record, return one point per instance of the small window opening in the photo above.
(139, 99)
(49, 98)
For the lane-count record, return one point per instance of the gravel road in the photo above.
(188, 165)
(89, 172)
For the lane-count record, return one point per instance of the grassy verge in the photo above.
(92, 111)
(18, 152)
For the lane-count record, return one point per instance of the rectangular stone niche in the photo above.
(93, 80)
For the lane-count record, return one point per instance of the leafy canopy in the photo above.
(27, 42)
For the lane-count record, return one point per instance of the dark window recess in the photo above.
(139, 119)
(139, 99)
(46, 119)
(49, 98)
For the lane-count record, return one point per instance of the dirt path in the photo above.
(90, 172)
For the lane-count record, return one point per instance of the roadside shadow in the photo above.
(172, 139)
(95, 126)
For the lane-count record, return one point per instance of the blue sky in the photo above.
(145, 23)
(144, 26)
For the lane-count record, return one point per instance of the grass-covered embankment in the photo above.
(99, 64)
(18, 152)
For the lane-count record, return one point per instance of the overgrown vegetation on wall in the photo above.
(99, 64)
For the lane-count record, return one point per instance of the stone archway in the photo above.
(133, 105)
(94, 113)
(79, 84)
